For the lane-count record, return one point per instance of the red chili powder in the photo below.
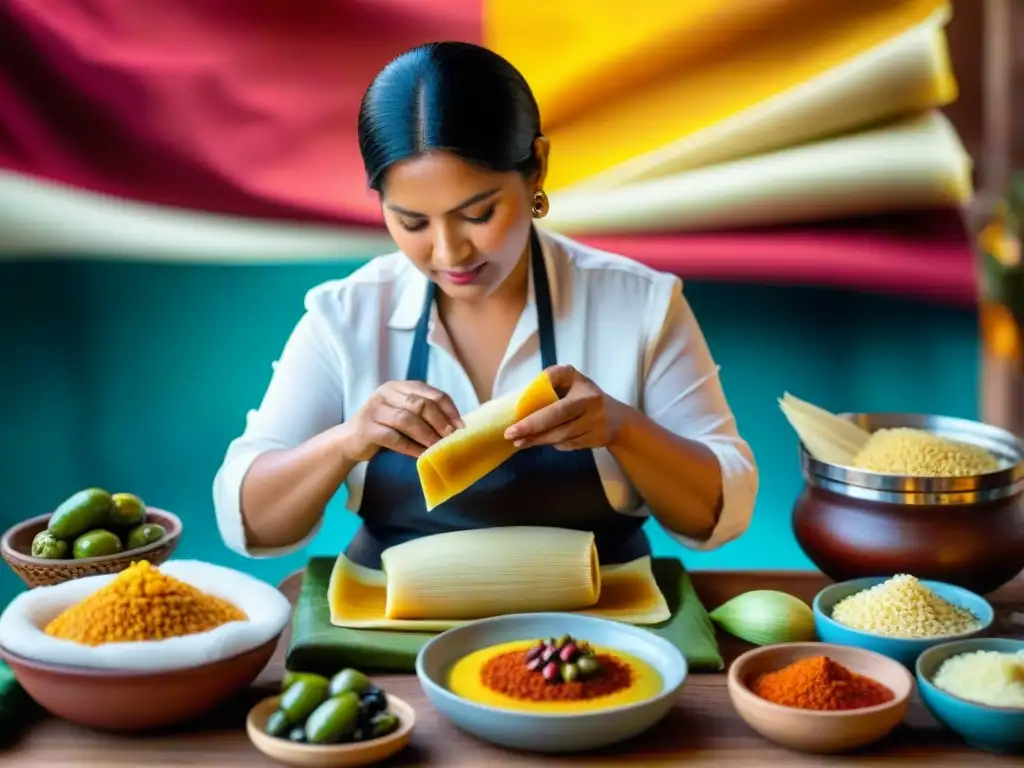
(507, 674)
(820, 683)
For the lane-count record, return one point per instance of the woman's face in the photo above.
(464, 227)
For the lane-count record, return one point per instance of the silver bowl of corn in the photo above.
(938, 497)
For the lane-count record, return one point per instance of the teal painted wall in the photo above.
(136, 376)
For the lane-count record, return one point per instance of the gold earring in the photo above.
(540, 204)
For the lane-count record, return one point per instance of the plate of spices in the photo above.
(819, 697)
(551, 682)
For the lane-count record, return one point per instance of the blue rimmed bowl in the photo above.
(903, 649)
(993, 729)
(550, 732)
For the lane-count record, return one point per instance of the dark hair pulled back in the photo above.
(451, 96)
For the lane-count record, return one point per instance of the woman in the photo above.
(475, 304)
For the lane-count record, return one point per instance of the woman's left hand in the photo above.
(583, 417)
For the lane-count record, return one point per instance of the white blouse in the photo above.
(625, 326)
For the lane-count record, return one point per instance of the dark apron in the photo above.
(539, 486)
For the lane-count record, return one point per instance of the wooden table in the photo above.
(702, 729)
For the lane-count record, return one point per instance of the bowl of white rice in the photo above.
(900, 616)
(976, 689)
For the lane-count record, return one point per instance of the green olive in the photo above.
(383, 724)
(144, 534)
(290, 678)
(48, 546)
(349, 680)
(126, 509)
(96, 543)
(277, 723)
(334, 720)
(302, 697)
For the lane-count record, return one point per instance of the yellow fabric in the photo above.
(357, 598)
(617, 81)
(901, 76)
(454, 463)
(605, 46)
(513, 569)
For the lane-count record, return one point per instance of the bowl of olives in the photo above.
(344, 720)
(91, 532)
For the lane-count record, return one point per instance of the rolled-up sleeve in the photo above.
(683, 393)
(304, 398)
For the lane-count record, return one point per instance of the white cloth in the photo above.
(268, 611)
(625, 326)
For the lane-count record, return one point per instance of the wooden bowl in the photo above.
(967, 531)
(137, 701)
(330, 755)
(805, 730)
(16, 548)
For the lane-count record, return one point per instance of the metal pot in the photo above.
(967, 531)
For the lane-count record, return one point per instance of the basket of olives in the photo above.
(91, 533)
(346, 719)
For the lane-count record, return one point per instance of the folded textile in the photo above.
(318, 645)
(915, 163)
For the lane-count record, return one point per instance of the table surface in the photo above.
(702, 729)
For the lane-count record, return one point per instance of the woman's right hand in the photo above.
(405, 416)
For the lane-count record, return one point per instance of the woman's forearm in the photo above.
(679, 479)
(285, 492)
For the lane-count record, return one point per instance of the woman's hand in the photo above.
(583, 417)
(406, 416)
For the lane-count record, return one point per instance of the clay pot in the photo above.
(967, 531)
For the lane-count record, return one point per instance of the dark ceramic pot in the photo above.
(967, 531)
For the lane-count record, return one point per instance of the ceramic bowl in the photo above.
(967, 531)
(549, 732)
(810, 730)
(994, 729)
(16, 548)
(329, 755)
(137, 701)
(902, 649)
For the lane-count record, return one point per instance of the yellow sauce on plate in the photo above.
(464, 680)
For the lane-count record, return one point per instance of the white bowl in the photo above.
(544, 732)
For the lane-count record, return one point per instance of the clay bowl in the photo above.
(16, 546)
(967, 531)
(812, 731)
(330, 755)
(137, 701)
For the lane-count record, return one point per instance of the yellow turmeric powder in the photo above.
(142, 604)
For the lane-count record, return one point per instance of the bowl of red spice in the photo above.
(818, 697)
(551, 682)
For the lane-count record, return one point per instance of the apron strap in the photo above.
(542, 296)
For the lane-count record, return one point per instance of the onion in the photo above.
(766, 617)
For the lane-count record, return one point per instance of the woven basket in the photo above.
(16, 546)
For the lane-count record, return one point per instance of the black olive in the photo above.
(364, 718)
(373, 702)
